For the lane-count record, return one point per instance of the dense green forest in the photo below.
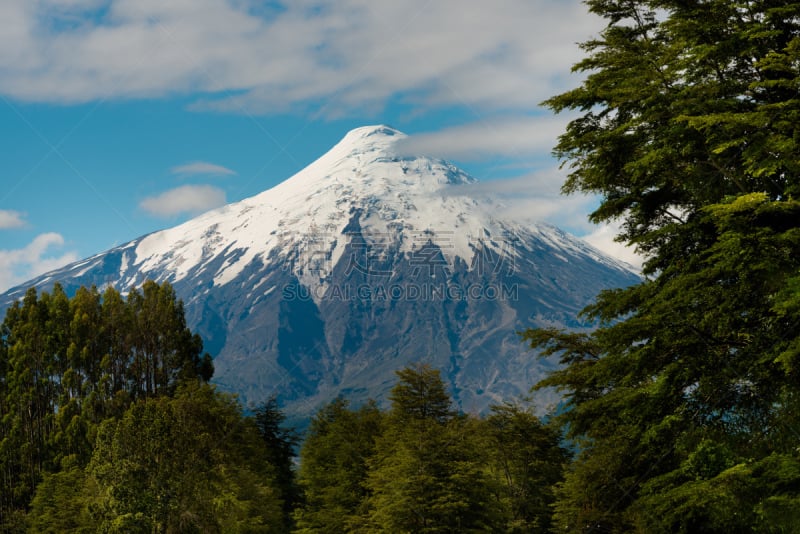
(682, 409)
(109, 425)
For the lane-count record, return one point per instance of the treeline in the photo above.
(423, 467)
(107, 424)
(67, 365)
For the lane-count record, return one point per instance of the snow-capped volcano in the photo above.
(364, 261)
(361, 173)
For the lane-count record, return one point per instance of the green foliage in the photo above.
(527, 461)
(185, 464)
(420, 467)
(106, 425)
(684, 401)
(164, 351)
(279, 445)
(685, 103)
(67, 364)
(62, 503)
(704, 353)
(189, 461)
(427, 472)
(420, 397)
(333, 466)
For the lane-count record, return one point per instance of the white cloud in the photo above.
(11, 219)
(533, 197)
(602, 238)
(201, 167)
(332, 57)
(191, 199)
(514, 137)
(537, 197)
(20, 265)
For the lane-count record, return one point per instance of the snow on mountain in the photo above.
(292, 288)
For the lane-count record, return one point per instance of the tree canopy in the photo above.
(334, 466)
(67, 365)
(423, 467)
(426, 474)
(108, 424)
(683, 403)
(187, 463)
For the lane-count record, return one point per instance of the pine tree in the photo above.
(427, 472)
(528, 461)
(684, 399)
(280, 444)
(333, 467)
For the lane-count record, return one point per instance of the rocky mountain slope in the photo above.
(365, 261)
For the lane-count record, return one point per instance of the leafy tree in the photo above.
(68, 364)
(427, 472)
(62, 503)
(164, 350)
(30, 391)
(117, 334)
(186, 464)
(420, 397)
(527, 460)
(687, 393)
(334, 464)
(280, 443)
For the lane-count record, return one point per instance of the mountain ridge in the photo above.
(360, 263)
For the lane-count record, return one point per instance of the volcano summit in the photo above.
(365, 261)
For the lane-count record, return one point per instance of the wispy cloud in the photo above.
(201, 167)
(11, 219)
(347, 55)
(602, 238)
(510, 137)
(187, 199)
(537, 197)
(38, 257)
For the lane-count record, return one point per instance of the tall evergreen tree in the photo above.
(527, 459)
(333, 467)
(280, 443)
(427, 472)
(685, 399)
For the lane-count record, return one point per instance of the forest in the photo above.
(109, 425)
(681, 409)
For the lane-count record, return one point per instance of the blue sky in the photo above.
(122, 117)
